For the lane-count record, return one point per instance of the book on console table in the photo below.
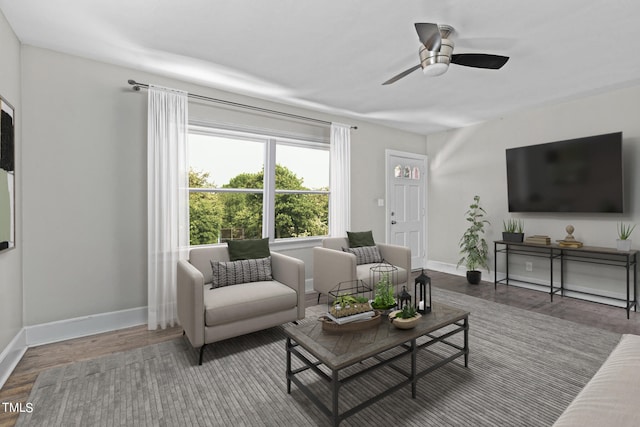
(537, 239)
(569, 244)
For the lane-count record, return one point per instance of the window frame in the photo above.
(270, 140)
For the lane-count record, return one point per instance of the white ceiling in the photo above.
(332, 56)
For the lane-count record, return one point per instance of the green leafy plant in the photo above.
(513, 226)
(384, 298)
(407, 312)
(473, 246)
(624, 231)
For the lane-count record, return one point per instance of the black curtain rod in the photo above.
(137, 86)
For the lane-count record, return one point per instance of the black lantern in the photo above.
(404, 298)
(422, 286)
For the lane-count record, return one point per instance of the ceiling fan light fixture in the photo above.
(436, 69)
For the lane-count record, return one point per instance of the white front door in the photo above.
(406, 207)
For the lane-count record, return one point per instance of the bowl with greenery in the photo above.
(406, 318)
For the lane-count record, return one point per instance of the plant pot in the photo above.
(474, 276)
(512, 237)
(624, 245)
(403, 323)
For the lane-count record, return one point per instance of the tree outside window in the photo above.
(227, 200)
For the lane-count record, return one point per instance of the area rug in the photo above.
(524, 369)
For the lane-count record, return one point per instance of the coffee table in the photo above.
(338, 351)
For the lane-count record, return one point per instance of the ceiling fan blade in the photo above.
(479, 60)
(401, 75)
(429, 35)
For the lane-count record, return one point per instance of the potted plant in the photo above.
(406, 318)
(473, 246)
(624, 232)
(513, 230)
(384, 298)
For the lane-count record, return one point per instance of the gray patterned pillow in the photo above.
(226, 273)
(365, 254)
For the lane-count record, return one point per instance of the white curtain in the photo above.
(340, 180)
(167, 200)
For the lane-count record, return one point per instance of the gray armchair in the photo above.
(331, 265)
(209, 315)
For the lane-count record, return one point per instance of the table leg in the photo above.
(466, 341)
(414, 378)
(288, 365)
(335, 387)
(628, 291)
(635, 283)
(495, 266)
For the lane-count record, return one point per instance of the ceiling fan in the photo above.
(436, 53)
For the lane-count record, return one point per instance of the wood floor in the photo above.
(38, 359)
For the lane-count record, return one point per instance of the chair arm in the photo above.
(331, 267)
(190, 297)
(290, 271)
(400, 256)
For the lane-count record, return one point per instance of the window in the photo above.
(247, 186)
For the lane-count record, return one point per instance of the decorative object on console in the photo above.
(513, 230)
(422, 292)
(624, 232)
(538, 239)
(473, 246)
(569, 241)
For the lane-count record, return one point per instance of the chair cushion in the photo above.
(248, 300)
(226, 273)
(248, 249)
(364, 273)
(365, 254)
(360, 238)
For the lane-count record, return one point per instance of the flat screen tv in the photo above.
(576, 175)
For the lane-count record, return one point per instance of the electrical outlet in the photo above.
(528, 266)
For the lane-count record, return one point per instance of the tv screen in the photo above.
(577, 175)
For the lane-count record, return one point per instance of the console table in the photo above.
(587, 254)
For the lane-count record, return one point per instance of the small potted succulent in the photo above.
(406, 318)
(513, 230)
(624, 232)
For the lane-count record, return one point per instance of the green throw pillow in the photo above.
(248, 249)
(358, 239)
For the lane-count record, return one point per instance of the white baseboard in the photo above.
(308, 285)
(77, 327)
(444, 267)
(570, 290)
(11, 355)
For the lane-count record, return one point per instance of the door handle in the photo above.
(393, 222)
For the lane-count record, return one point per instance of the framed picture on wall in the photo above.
(7, 175)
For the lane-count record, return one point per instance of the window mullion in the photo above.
(269, 197)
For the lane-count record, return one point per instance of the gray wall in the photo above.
(471, 161)
(11, 260)
(84, 184)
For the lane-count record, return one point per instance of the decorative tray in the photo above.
(329, 325)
